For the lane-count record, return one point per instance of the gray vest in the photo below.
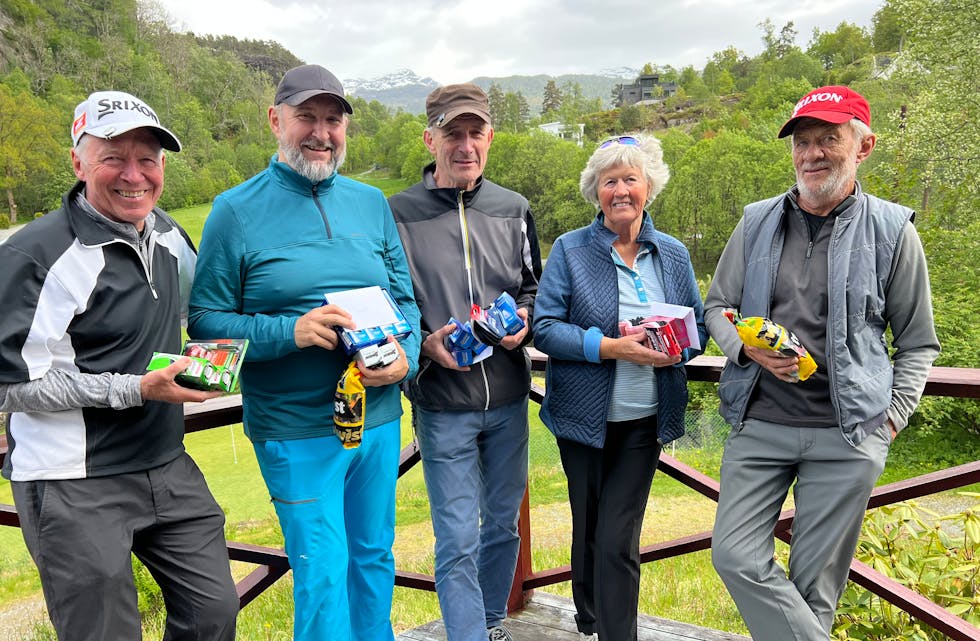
(858, 266)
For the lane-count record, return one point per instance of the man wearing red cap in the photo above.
(836, 266)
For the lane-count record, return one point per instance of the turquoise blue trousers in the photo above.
(337, 512)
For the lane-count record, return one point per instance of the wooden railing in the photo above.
(271, 563)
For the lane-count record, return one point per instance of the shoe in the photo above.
(587, 637)
(499, 633)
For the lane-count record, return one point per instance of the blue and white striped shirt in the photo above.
(634, 393)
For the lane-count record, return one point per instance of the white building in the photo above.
(575, 133)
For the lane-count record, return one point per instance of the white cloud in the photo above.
(455, 42)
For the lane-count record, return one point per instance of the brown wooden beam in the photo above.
(257, 582)
(912, 602)
(415, 580)
(692, 478)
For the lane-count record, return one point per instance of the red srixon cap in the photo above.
(834, 104)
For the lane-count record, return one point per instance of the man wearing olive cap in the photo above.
(836, 266)
(271, 248)
(468, 240)
(97, 462)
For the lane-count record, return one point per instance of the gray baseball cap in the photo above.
(299, 84)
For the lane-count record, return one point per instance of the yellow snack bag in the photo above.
(757, 331)
(348, 407)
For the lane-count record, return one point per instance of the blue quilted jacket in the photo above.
(578, 304)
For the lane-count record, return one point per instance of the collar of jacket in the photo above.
(648, 232)
(844, 209)
(88, 230)
(290, 179)
(449, 194)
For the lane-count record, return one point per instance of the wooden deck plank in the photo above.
(552, 618)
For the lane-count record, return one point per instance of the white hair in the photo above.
(646, 155)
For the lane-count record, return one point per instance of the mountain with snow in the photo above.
(620, 73)
(406, 90)
(403, 89)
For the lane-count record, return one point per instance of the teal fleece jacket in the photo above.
(271, 248)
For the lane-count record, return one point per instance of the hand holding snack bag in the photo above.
(756, 331)
(348, 407)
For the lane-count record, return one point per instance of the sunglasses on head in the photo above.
(621, 140)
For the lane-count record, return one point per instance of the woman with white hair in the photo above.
(612, 401)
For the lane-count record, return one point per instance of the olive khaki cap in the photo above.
(449, 102)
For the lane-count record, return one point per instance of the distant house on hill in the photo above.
(646, 88)
(575, 133)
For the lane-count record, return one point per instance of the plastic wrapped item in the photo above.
(348, 407)
(472, 341)
(757, 331)
(215, 364)
(664, 334)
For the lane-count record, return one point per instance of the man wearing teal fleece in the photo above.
(271, 248)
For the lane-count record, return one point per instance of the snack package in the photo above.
(215, 364)
(472, 341)
(348, 407)
(663, 333)
(762, 332)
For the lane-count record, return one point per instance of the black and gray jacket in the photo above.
(465, 248)
(86, 302)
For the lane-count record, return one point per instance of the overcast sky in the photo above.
(456, 41)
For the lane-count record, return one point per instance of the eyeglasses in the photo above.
(621, 140)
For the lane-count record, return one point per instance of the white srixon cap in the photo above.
(107, 114)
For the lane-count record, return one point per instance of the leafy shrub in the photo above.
(936, 556)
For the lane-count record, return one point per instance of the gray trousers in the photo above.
(81, 533)
(833, 481)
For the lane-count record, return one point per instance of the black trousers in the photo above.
(81, 533)
(608, 490)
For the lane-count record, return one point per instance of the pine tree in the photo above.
(552, 98)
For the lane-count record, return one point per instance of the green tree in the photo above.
(29, 145)
(887, 33)
(710, 184)
(631, 118)
(693, 85)
(544, 169)
(551, 103)
(843, 46)
(933, 138)
(495, 96)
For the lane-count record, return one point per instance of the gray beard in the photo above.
(833, 186)
(314, 170)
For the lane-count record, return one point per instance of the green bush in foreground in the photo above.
(936, 556)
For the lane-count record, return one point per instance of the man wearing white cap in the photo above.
(271, 248)
(96, 462)
(836, 266)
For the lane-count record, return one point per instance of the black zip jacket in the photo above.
(465, 248)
